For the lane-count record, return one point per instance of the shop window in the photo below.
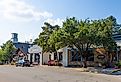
(75, 56)
(55, 56)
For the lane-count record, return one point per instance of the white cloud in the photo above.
(19, 9)
(57, 21)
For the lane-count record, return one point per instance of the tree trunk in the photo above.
(83, 53)
(84, 59)
(84, 62)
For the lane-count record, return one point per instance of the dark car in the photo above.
(26, 63)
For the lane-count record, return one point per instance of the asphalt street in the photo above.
(51, 74)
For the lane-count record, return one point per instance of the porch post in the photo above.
(41, 58)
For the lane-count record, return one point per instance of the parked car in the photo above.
(51, 63)
(54, 63)
(13, 63)
(26, 63)
(23, 63)
(20, 62)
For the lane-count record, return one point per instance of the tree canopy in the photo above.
(44, 36)
(83, 34)
(6, 51)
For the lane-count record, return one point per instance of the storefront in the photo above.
(70, 57)
(35, 54)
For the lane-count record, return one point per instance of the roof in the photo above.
(117, 36)
(23, 46)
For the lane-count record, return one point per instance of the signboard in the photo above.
(35, 49)
(101, 56)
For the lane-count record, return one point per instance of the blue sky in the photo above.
(27, 16)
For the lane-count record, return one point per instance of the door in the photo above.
(37, 58)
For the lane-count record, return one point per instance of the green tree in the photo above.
(44, 36)
(84, 34)
(1, 55)
(7, 50)
(104, 30)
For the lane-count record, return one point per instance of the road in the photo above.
(51, 74)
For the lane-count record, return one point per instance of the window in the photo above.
(60, 56)
(75, 56)
(55, 56)
(90, 56)
(37, 58)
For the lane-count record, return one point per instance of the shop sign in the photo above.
(101, 56)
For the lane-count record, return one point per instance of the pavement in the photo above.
(51, 74)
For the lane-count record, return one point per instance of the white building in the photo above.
(35, 54)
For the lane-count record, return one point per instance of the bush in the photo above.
(118, 64)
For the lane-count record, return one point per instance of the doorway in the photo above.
(37, 58)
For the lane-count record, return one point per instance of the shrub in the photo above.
(118, 64)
